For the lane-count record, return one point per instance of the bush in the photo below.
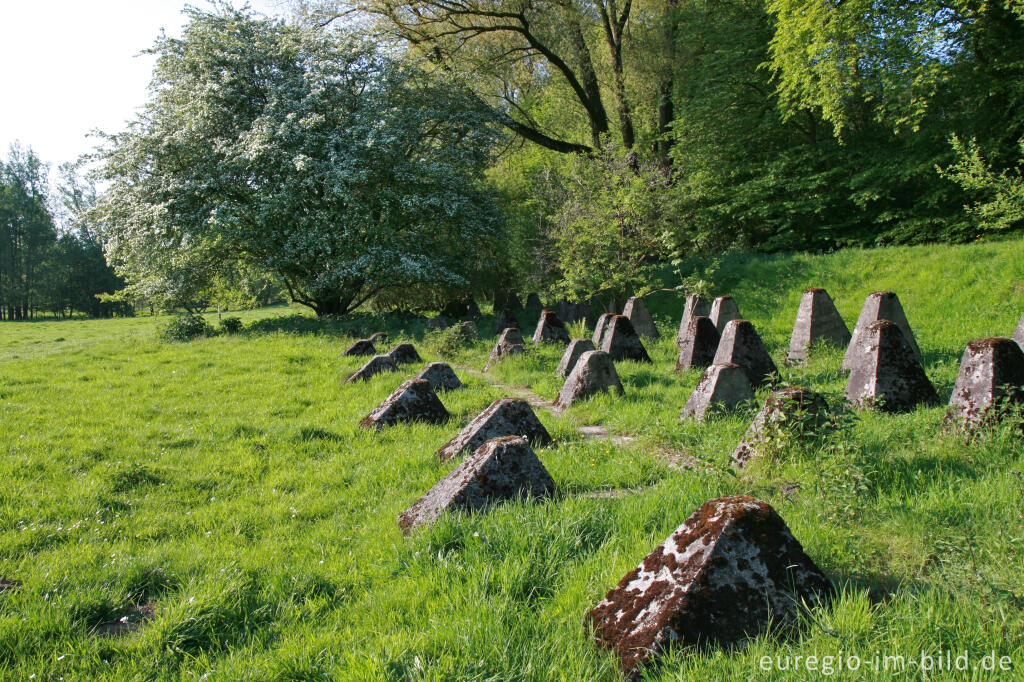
(186, 327)
(231, 325)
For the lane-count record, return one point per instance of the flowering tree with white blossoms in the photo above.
(341, 170)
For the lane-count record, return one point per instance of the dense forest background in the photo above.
(569, 147)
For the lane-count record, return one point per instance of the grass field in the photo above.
(220, 492)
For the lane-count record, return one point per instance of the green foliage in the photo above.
(231, 325)
(186, 327)
(1001, 206)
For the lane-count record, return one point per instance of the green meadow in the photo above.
(218, 498)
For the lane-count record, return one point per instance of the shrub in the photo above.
(185, 327)
(231, 325)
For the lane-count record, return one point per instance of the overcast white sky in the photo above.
(70, 66)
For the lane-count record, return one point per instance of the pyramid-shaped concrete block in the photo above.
(722, 386)
(887, 375)
(360, 348)
(378, 337)
(600, 327)
(640, 317)
(696, 305)
(404, 354)
(441, 376)
(723, 311)
(577, 347)
(1018, 335)
(413, 401)
(741, 345)
(509, 343)
(505, 320)
(817, 321)
(730, 572)
(468, 331)
(800, 411)
(506, 299)
(881, 305)
(622, 342)
(991, 377)
(378, 364)
(504, 417)
(699, 344)
(550, 329)
(533, 303)
(501, 469)
(594, 373)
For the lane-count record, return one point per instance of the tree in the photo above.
(340, 170)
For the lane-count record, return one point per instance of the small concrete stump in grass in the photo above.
(886, 373)
(730, 572)
(413, 401)
(501, 469)
(881, 305)
(404, 354)
(533, 303)
(621, 341)
(360, 348)
(796, 409)
(550, 329)
(441, 376)
(741, 345)
(817, 321)
(699, 345)
(600, 327)
(640, 317)
(504, 417)
(696, 305)
(723, 386)
(510, 343)
(594, 373)
(378, 364)
(991, 378)
(577, 347)
(723, 311)
(505, 320)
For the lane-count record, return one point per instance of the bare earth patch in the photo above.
(131, 622)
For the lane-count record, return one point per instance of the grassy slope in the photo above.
(225, 482)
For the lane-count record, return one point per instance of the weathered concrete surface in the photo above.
(360, 348)
(886, 374)
(817, 321)
(1018, 335)
(569, 311)
(505, 320)
(723, 311)
(740, 344)
(696, 305)
(577, 347)
(621, 341)
(729, 572)
(724, 386)
(468, 331)
(377, 337)
(600, 327)
(405, 354)
(698, 345)
(378, 364)
(501, 469)
(991, 375)
(504, 417)
(796, 409)
(413, 401)
(533, 303)
(509, 343)
(636, 310)
(881, 305)
(594, 373)
(441, 376)
(550, 329)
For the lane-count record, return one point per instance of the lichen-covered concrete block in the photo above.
(374, 366)
(509, 343)
(441, 376)
(886, 374)
(594, 373)
(505, 320)
(636, 310)
(696, 305)
(504, 417)
(699, 345)
(550, 329)
(413, 401)
(741, 345)
(360, 348)
(724, 386)
(404, 354)
(600, 327)
(621, 341)
(881, 305)
(798, 410)
(817, 321)
(991, 377)
(577, 347)
(723, 311)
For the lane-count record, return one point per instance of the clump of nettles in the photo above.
(185, 327)
(231, 325)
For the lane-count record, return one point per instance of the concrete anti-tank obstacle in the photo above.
(504, 417)
(594, 373)
(731, 571)
(796, 409)
(577, 347)
(505, 320)
(378, 364)
(438, 322)
(740, 344)
(696, 305)
(886, 374)
(600, 327)
(636, 310)
(533, 303)
(404, 354)
(509, 343)
(881, 305)
(991, 378)
(377, 337)
(468, 331)
(413, 401)
(550, 329)
(621, 341)
(441, 376)
(722, 386)
(817, 321)
(360, 348)
(501, 469)
(699, 345)
(723, 311)
(1018, 335)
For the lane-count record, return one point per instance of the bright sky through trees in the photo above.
(68, 67)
